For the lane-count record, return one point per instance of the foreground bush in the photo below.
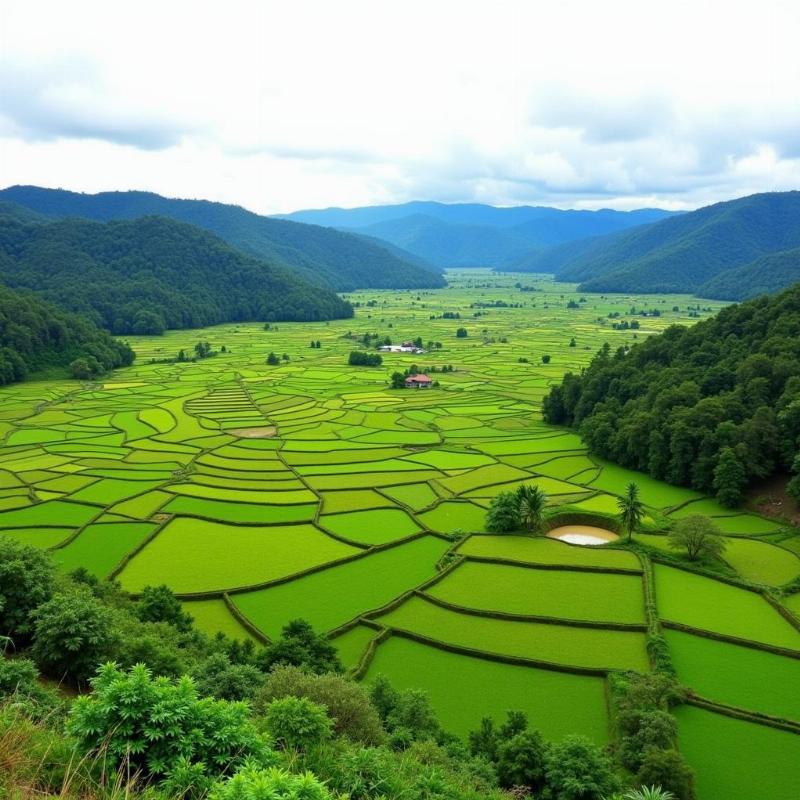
(252, 782)
(156, 725)
(26, 580)
(347, 702)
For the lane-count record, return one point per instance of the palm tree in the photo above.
(631, 510)
(648, 793)
(532, 502)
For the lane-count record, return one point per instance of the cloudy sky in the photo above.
(285, 105)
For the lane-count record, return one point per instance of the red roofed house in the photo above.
(418, 382)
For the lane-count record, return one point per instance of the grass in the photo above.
(761, 562)
(213, 616)
(738, 760)
(555, 644)
(464, 689)
(333, 596)
(379, 526)
(549, 593)
(100, 547)
(541, 550)
(351, 645)
(737, 676)
(712, 605)
(448, 517)
(196, 555)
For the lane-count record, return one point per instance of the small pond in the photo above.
(582, 534)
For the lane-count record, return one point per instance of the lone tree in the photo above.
(273, 360)
(461, 333)
(532, 502)
(699, 536)
(398, 380)
(503, 515)
(631, 510)
(729, 478)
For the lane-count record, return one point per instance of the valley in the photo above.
(261, 493)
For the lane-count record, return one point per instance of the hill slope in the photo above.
(683, 253)
(35, 335)
(767, 274)
(471, 234)
(144, 275)
(713, 406)
(322, 256)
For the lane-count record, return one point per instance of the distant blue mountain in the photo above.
(473, 234)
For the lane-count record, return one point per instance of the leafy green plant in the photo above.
(157, 725)
(252, 782)
(297, 723)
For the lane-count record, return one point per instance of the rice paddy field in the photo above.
(309, 489)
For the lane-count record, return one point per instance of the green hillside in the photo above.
(323, 256)
(145, 275)
(35, 335)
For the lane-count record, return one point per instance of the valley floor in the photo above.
(310, 489)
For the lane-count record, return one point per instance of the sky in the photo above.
(278, 106)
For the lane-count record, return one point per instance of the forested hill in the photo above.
(693, 252)
(325, 257)
(767, 274)
(35, 335)
(145, 275)
(715, 406)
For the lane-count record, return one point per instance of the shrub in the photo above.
(503, 515)
(347, 702)
(521, 761)
(218, 677)
(159, 604)
(576, 769)
(73, 633)
(26, 581)
(156, 725)
(252, 782)
(300, 646)
(667, 769)
(297, 723)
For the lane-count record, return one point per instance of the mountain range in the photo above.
(330, 258)
(473, 234)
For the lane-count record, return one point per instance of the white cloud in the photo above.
(278, 106)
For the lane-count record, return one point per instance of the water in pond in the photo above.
(582, 534)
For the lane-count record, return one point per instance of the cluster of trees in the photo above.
(273, 360)
(359, 358)
(522, 509)
(715, 406)
(143, 276)
(35, 335)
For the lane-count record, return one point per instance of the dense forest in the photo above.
(698, 252)
(35, 336)
(322, 256)
(146, 275)
(767, 274)
(715, 406)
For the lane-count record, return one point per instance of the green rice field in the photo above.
(312, 490)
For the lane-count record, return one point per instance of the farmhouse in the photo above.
(406, 347)
(418, 382)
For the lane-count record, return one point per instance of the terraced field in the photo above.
(263, 493)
